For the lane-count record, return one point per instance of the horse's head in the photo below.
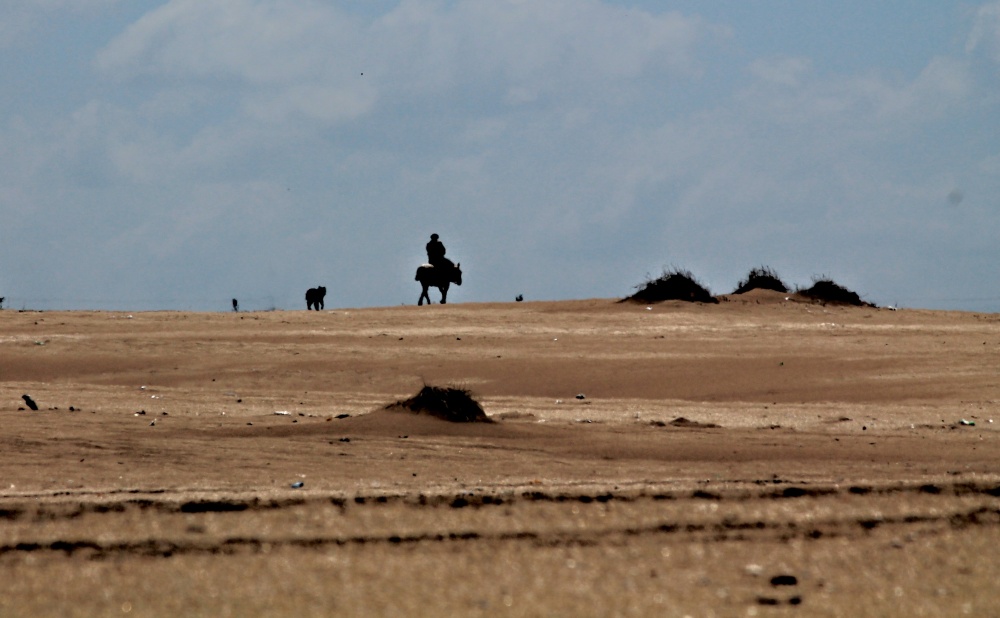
(456, 274)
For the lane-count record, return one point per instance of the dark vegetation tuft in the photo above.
(451, 404)
(824, 290)
(674, 284)
(761, 278)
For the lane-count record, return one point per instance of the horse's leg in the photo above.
(423, 295)
(444, 293)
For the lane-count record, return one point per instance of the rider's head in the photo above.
(434, 236)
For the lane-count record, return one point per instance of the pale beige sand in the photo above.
(823, 443)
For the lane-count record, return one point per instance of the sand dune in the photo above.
(762, 456)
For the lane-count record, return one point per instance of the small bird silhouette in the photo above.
(519, 298)
(31, 402)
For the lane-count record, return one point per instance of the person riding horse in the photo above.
(439, 272)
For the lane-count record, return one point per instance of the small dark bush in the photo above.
(672, 285)
(451, 404)
(762, 278)
(826, 291)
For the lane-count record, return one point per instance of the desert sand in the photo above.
(764, 456)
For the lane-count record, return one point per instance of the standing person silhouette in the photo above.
(436, 251)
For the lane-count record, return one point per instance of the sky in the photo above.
(178, 154)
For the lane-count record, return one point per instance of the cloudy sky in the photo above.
(176, 154)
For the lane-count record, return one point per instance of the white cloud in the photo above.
(788, 93)
(985, 34)
(231, 72)
(20, 19)
(783, 71)
(258, 41)
(308, 58)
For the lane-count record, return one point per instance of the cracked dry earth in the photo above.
(760, 457)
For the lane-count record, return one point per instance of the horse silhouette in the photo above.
(314, 298)
(440, 277)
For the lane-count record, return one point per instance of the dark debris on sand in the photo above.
(451, 404)
(672, 285)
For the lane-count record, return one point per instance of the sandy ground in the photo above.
(760, 457)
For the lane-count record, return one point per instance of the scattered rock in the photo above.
(784, 580)
(680, 421)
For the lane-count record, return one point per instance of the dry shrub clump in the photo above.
(762, 278)
(674, 284)
(451, 404)
(824, 290)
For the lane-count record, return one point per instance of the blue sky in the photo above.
(174, 155)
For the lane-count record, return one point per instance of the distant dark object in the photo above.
(762, 278)
(30, 402)
(1, 302)
(518, 298)
(672, 285)
(236, 305)
(680, 421)
(826, 291)
(451, 404)
(314, 298)
(784, 580)
(440, 277)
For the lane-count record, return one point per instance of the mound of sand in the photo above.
(451, 404)
(672, 285)
(826, 291)
(762, 278)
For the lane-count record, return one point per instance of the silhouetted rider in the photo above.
(436, 251)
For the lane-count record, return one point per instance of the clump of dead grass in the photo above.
(455, 405)
(674, 284)
(826, 291)
(761, 278)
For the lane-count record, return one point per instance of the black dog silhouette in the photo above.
(314, 298)
(31, 402)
